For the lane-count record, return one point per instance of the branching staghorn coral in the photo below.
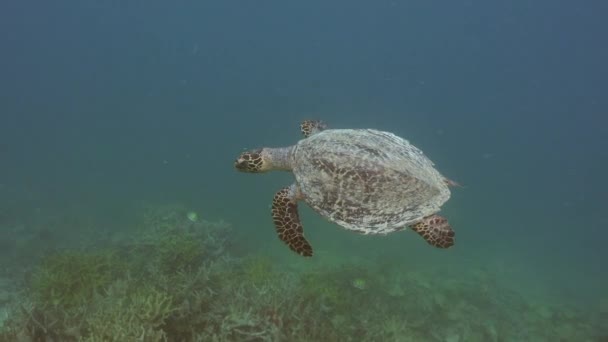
(140, 316)
(71, 278)
(177, 281)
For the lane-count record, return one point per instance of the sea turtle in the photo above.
(365, 180)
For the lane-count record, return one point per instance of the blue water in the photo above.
(107, 103)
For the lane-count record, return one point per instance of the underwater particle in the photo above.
(359, 283)
(192, 216)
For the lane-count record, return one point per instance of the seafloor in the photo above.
(171, 277)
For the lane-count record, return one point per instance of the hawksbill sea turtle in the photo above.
(365, 180)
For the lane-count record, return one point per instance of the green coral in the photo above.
(178, 282)
(258, 270)
(320, 286)
(140, 316)
(334, 287)
(149, 289)
(70, 279)
(176, 251)
(168, 242)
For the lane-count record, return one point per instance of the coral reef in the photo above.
(175, 279)
(71, 278)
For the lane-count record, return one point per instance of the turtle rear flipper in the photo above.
(287, 221)
(310, 127)
(436, 231)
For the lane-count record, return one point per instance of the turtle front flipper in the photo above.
(287, 220)
(435, 230)
(310, 127)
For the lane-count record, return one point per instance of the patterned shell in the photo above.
(366, 180)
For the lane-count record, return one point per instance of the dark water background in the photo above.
(105, 103)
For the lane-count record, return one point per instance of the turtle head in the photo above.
(264, 159)
(254, 161)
